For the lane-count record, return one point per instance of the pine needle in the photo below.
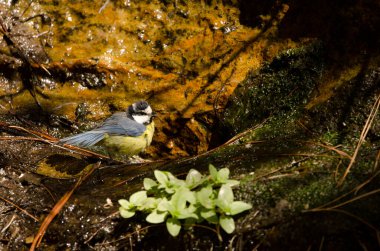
(363, 135)
(58, 207)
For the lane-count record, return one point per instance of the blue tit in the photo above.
(127, 133)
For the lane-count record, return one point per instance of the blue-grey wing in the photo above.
(120, 124)
(85, 139)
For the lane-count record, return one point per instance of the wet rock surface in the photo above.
(282, 106)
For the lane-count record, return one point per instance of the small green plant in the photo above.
(187, 202)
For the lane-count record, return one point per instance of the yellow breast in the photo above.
(129, 145)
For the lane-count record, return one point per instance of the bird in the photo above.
(127, 133)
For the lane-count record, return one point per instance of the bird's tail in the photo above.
(85, 139)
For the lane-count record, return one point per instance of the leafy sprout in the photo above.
(177, 202)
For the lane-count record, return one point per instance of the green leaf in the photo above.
(170, 190)
(155, 217)
(161, 177)
(193, 178)
(125, 204)
(181, 205)
(225, 198)
(167, 181)
(232, 182)
(149, 203)
(239, 206)
(149, 183)
(138, 198)
(227, 223)
(223, 175)
(164, 205)
(182, 196)
(187, 213)
(126, 213)
(174, 226)
(174, 181)
(225, 193)
(213, 172)
(209, 215)
(204, 196)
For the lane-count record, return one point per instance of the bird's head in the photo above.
(141, 112)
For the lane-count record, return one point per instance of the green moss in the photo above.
(279, 91)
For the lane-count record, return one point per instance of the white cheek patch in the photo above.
(148, 110)
(141, 118)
